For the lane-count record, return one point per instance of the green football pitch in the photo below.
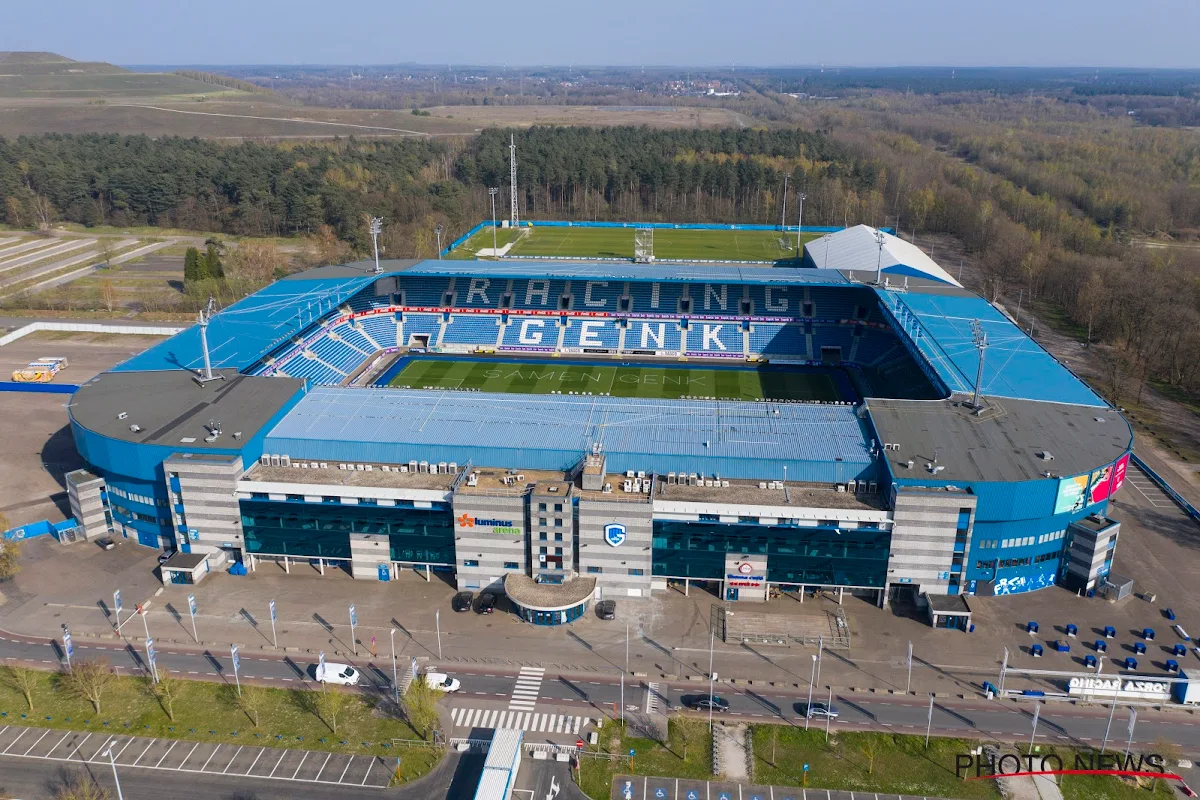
(670, 244)
(618, 380)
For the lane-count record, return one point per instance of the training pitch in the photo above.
(619, 380)
(670, 244)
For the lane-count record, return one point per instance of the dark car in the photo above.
(817, 710)
(462, 601)
(704, 702)
(106, 543)
(487, 603)
(606, 609)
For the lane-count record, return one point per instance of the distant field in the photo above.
(654, 116)
(619, 380)
(669, 244)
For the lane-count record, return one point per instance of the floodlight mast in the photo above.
(205, 316)
(979, 337)
(376, 229)
(512, 178)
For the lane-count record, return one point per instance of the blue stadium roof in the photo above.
(241, 334)
(1014, 365)
(825, 443)
(625, 271)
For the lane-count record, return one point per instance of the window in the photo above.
(634, 571)
(558, 508)
(330, 499)
(541, 551)
(595, 570)
(296, 497)
(558, 522)
(558, 551)
(542, 521)
(541, 506)
(511, 565)
(471, 562)
(558, 536)
(542, 536)
(259, 496)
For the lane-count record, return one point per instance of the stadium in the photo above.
(569, 430)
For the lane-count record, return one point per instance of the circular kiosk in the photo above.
(549, 603)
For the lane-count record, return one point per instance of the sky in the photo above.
(1100, 33)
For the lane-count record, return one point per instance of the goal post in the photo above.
(643, 245)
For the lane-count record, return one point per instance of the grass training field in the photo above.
(669, 244)
(618, 380)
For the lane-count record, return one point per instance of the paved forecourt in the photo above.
(623, 380)
(669, 243)
(246, 759)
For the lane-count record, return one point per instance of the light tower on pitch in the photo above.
(376, 229)
(205, 316)
(512, 178)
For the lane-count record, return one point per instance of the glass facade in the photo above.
(312, 530)
(827, 556)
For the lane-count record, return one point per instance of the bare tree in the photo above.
(689, 730)
(167, 691)
(79, 786)
(251, 701)
(108, 293)
(89, 680)
(870, 750)
(24, 680)
(331, 706)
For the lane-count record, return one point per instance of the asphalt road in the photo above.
(1003, 720)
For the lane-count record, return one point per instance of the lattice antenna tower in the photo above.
(512, 178)
(205, 316)
(643, 245)
(979, 337)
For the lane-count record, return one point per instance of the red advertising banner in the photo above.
(1118, 474)
(1100, 485)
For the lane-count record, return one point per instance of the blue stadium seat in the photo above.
(778, 339)
(533, 332)
(421, 324)
(540, 294)
(381, 328)
(597, 295)
(470, 329)
(597, 333)
(653, 334)
(706, 336)
(423, 291)
(353, 336)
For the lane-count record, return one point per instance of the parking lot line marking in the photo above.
(60, 741)
(348, 763)
(96, 754)
(164, 755)
(369, 765)
(139, 758)
(323, 763)
(76, 750)
(230, 764)
(301, 764)
(35, 744)
(277, 763)
(189, 755)
(261, 750)
(128, 742)
(213, 753)
(14, 741)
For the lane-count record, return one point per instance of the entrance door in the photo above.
(731, 594)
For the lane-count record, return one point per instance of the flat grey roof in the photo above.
(169, 408)
(1001, 444)
(185, 561)
(954, 604)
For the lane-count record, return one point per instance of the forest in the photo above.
(1060, 204)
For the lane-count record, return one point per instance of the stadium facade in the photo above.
(301, 452)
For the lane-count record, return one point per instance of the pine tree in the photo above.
(211, 263)
(191, 265)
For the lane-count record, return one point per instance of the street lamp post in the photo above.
(495, 249)
(112, 759)
(395, 680)
(811, 680)
(820, 654)
(712, 640)
(438, 231)
(929, 722)
(908, 686)
(1108, 728)
(376, 229)
(437, 621)
(783, 214)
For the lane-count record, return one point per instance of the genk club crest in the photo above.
(614, 534)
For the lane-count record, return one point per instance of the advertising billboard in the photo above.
(1072, 494)
(1118, 474)
(1099, 487)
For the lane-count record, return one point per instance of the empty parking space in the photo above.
(1149, 490)
(242, 760)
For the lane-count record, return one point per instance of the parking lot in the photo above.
(177, 755)
(634, 787)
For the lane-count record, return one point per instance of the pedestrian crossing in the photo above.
(529, 683)
(522, 720)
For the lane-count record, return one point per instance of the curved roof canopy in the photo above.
(858, 249)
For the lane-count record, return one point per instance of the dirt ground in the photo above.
(88, 354)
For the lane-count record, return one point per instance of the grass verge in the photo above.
(209, 712)
(596, 772)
